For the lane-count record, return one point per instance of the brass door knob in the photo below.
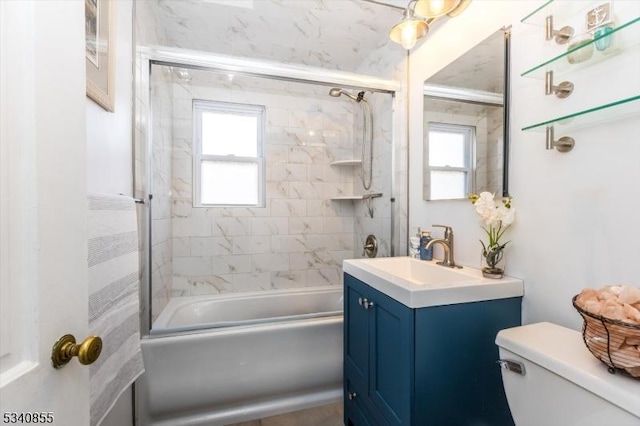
(66, 348)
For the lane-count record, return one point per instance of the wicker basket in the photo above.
(607, 340)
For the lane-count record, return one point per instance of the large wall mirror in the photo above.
(466, 123)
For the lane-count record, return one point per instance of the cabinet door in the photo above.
(458, 382)
(356, 332)
(392, 361)
(353, 406)
(355, 417)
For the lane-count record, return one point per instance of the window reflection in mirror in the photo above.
(464, 121)
(450, 160)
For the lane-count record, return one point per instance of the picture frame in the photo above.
(100, 52)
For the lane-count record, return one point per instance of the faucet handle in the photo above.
(447, 229)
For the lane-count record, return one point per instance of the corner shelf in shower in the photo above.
(357, 197)
(627, 36)
(346, 163)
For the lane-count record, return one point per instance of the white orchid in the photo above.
(497, 218)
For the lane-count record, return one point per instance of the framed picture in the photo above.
(100, 51)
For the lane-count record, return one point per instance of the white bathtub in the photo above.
(260, 367)
(232, 309)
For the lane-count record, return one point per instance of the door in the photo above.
(43, 245)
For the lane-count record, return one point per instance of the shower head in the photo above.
(336, 92)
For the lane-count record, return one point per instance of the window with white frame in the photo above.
(228, 152)
(450, 160)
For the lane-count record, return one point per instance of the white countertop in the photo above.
(420, 283)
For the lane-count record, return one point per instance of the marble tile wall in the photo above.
(495, 154)
(301, 236)
(335, 34)
(388, 60)
(160, 267)
(162, 262)
(380, 224)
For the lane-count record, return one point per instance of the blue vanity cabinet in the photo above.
(432, 366)
(378, 356)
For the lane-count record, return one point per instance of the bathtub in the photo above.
(222, 359)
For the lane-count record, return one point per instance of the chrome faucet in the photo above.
(447, 245)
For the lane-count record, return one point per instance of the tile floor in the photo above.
(326, 415)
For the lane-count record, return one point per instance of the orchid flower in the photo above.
(496, 218)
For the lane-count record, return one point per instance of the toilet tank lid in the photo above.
(562, 351)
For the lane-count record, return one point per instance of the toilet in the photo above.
(551, 379)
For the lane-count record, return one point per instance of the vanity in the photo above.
(419, 343)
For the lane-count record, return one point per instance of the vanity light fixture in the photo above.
(416, 18)
(410, 28)
(438, 8)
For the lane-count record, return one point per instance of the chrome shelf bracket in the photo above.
(564, 144)
(561, 36)
(562, 90)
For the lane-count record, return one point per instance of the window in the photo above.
(450, 160)
(228, 154)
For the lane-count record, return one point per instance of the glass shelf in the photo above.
(625, 36)
(609, 112)
(348, 163)
(562, 12)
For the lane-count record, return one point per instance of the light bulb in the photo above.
(436, 6)
(408, 31)
(408, 37)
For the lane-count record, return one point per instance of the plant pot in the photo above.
(493, 265)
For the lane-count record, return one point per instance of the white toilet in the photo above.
(562, 383)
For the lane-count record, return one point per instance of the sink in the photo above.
(418, 283)
(416, 271)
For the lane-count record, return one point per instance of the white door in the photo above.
(43, 214)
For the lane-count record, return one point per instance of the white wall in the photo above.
(110, 149)
(109, 135)
(577, 215)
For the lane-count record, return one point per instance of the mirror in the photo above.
(465, 116)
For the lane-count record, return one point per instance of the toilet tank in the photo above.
(563, 383)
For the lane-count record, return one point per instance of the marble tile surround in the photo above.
(334, 34)
(300, 237)
(161, 268)
(164, 22)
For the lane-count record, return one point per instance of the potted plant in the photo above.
(496, 217)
